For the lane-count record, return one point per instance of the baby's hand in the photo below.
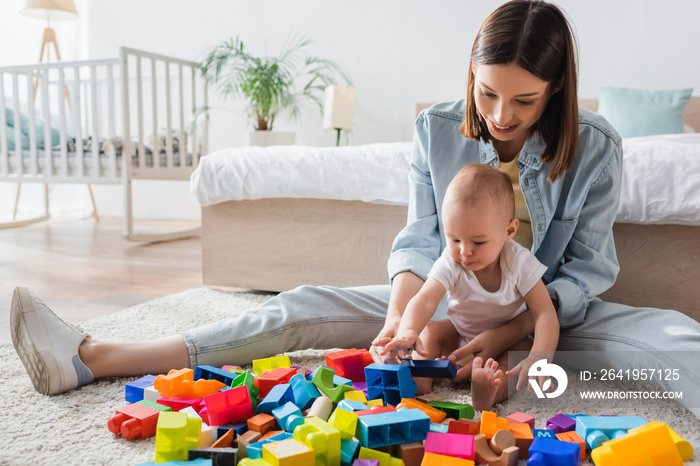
(522, 369)
(404, 344)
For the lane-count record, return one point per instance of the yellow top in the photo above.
(524, 234)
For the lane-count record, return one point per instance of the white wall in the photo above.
(397, 52)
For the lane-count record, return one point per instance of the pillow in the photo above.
(11, 139)
(24, 127)
(634, 112)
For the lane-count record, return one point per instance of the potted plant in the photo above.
(272, 86)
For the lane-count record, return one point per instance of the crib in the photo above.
(109, 121)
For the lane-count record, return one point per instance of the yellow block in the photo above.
(356, 395)
(384, 458)
(377, 402)
(682, 445)
(651, 446)
(345, 422)
(288, 452)
(322, 438)
(253, 462)
(268, 364)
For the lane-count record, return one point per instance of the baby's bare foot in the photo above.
(485, 382)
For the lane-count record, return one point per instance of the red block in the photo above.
(177, 403)
(274, 377)
(134, 420)
(350, 363)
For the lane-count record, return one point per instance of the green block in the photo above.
(454, 410)
(324, 382)
(154, 405)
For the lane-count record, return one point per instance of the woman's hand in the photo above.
(386, 335)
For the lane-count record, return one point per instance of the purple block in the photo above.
(359, 462)
(561, 423)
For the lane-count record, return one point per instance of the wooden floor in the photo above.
(84, 269)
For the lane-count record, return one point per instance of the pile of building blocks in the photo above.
(353, 412)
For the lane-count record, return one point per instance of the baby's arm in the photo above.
(418, 313)
(546, 330)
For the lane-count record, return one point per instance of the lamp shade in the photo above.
(49, 9)
(339, 109)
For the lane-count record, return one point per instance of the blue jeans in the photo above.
(328, 317)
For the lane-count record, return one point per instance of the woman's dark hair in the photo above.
(536, 36)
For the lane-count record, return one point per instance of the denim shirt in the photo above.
(571, 218)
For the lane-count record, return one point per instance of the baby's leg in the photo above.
(489, 380)
(440, 339)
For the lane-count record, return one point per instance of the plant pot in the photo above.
(270, 138)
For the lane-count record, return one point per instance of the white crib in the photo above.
(89, 111)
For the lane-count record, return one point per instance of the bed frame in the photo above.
(133, 94)
(278, 244)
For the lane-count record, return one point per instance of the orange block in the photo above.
(167, 385)
(575, 438)
(262, 423)
(490, 424)
(523, 437)
(435, 414)
(434, 459)
(465, 426)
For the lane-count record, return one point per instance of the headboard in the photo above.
(691, 117)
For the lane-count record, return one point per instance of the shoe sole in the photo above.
(34, 360)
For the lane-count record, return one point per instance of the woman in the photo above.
(521, 108)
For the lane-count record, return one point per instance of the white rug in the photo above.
(72, 428)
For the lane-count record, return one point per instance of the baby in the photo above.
(489, 280)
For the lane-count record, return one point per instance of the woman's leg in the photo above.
(616, 336)
(59, 358)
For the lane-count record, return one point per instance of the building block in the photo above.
(463, 426)
(197, 462)
(323, 379)
(522, 418)
(227, 406)
(384, 458)
(321, 408)
(652, 446)
(323, 438)
(261, 366)
(375, 410)
(359, 462)
(411, 453)
(279, 375)
(435, 459)
(501, 440)
(151, 394)
(247, 379)
(253, 462)
(391, 428)
(490, 423)
(239, 428)
(289, 452)
(175, 434)
(356, 395)
(214, 373)
(350, 405)
(218, 456)
(134, 420)
(349, 363)
(349, 449)
(245, 440)
(207, 434)
(345, 422)
(133, 391)
(440, 368)
(279, 395)
(596, 430)
(439, 427)
(435, 414)
(272, 433)
(255, 449)
(553, 452)
(523, 437)
(543, 433)
(457, 445)
(389, 382)
(169, 385)
(288, 416)
(573, 437)
(682, 445)
(304, 392)
(454, 410)
(155, 405)
(176, 403)
(262, 423)
(484, 454)
(561, 423)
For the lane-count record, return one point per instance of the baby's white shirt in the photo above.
(470, 307)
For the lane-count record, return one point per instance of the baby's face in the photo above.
(476, 234)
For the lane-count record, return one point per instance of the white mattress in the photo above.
(661, 179)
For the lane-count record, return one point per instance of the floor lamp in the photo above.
(50, 10)
(339, 109)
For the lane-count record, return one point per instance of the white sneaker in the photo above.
(47, 345)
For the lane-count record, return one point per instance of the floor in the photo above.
(84, 268)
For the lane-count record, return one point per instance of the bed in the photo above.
(109, 121)
(280, 217)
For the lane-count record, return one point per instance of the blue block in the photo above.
(543, 433)
(596, 430)
(133, 391)
(279, 395)
(389, 382)
(214, 373)
(349, 450)
(553, 452)
(438, 427)
(288, 416)
(304, 392)
(239, 428)
(442, 368)
(254, 450)
(352, 405)
(393, 427)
